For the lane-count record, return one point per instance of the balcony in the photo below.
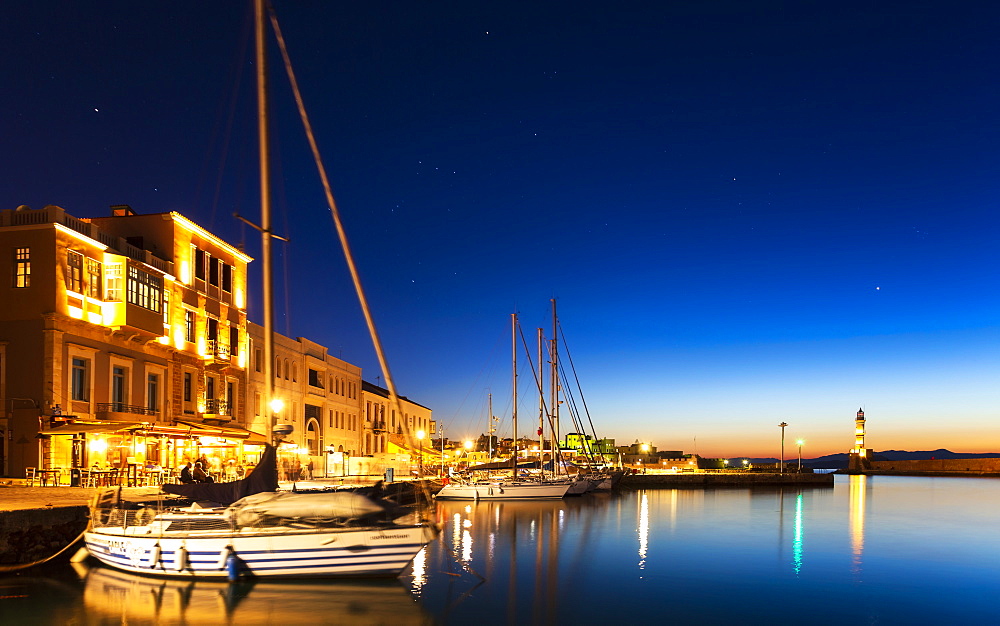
(216, 406)
(218, 351)
(108, 410)
(378, 427)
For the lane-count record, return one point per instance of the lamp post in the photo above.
(800, 442)
(420, 438)
(781, 461)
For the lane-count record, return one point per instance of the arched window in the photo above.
(277, 367)
(312, 437)
(295, 372)
(286, 369)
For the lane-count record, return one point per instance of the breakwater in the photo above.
(935, 467)
(28, 535)
(696, 480)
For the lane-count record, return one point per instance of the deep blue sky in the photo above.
(748, 212)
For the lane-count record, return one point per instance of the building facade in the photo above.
(122, 340)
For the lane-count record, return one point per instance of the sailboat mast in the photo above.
(513, 343)
(265, 206)
(489, 425)
(541, 408)
(556, 452)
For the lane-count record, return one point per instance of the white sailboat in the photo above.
(256, 531)
(513, 487)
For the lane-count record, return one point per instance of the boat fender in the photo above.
(180, 559)
(80, 556)
(232, 566)
(223, 561)
(154, 556)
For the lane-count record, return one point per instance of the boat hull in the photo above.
(503, 491)
(278, 553)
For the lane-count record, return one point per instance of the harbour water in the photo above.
(869, 550)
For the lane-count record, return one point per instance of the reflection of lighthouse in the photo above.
(859, 457)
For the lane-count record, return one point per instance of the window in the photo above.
(189, 325)
(256, 403)
(74, 271)
(231, 397)
(187, 386)
(209, 388)
(119, 387)
(212, 329)
(277, 367)
(144, 290)
(257, 354)
(114, 293)
(286, 369)
(213, 272)
(22, 267)
(227, 277)
(234, 341)
(199, 264)
(153, 392)
(94, 281)
(315, 378)
(80, 380)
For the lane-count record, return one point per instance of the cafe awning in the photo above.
(224, 432)
(84, 428)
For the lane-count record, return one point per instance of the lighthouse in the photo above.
(859, 434)
(858, 460)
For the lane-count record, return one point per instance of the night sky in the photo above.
(748, 212)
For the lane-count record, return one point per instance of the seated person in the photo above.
(186, 476)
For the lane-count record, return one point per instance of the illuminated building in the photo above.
(122, 339)
(860, 457)
(342, 423)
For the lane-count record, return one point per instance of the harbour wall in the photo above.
(936, 467)
(28, 535)
(700, 480)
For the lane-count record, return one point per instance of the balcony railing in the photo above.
(120, 407)
(218, 350)
(378, 427)
(216, 406)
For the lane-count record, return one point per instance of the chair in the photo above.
(31, 475)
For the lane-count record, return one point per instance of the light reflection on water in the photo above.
(868, 550)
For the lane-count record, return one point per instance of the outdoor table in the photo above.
(44, 474)
(105, 478)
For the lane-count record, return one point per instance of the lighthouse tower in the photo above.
(859, 458)
(859, 434)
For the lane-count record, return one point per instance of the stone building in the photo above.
(122, 340)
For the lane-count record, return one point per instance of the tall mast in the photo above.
(541, 409)
(489, 424)
(265, 207)
(513, 343)
(556, 452)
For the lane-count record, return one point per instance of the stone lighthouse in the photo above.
(860, 456)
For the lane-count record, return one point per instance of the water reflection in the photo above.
(856, 513)
(725, 555)
(112, 596)
(797, 538)
(643, 529)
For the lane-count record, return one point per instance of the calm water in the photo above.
(882, 550)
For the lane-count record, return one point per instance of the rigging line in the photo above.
(341, 232)
(230, 121)
(576, 378)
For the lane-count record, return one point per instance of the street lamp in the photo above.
(420, 437)
(781, 461)
(800, 442)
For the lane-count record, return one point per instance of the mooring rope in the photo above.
(21, 566)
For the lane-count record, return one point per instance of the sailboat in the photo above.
(513, 487)
(250, 529)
